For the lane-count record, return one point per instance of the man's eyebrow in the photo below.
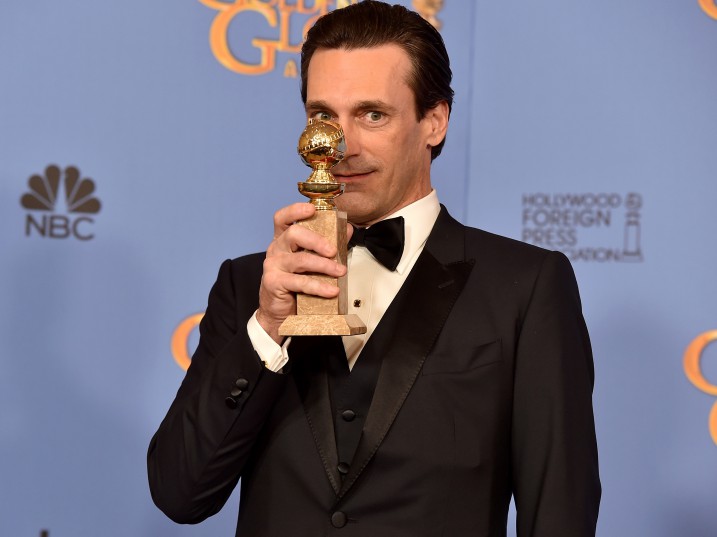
(316, 105)
(360, 105)
(374, 105)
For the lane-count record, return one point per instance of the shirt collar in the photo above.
(419, 218)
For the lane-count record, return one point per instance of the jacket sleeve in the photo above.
(197, 455)
(555, 462)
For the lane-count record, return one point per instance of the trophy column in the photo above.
(321, 146)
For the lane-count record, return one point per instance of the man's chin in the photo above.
(352, 204)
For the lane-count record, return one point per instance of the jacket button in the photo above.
(348, 415)
(242, 384)
(236, 392)
(343, 468)
(338, 519)
(231, 402)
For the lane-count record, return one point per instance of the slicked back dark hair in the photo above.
(371, 24)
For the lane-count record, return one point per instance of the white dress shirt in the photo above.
(371, 286)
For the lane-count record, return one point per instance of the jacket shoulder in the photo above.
(478, 240)
(244, 272)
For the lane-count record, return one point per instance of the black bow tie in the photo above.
(384, 240)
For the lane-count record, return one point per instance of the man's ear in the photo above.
(438, 123)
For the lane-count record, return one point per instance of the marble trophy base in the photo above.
(322, 325)
(317, 316)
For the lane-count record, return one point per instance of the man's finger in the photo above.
(286, 216)
(298, 237)
(304, 262)
(308, 285)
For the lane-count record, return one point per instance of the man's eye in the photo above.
(323, 116)
(375, 116)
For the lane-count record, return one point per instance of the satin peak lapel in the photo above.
(431, 290)
(310, 356)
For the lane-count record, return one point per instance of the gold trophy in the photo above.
(321, 146)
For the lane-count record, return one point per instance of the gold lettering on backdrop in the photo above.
(693, 355)
(428, 9)
(709, 7)
(278, 15)
(180, 340)
(290, 69)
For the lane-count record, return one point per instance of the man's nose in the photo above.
(352, 137)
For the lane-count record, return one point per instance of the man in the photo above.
(472, 384)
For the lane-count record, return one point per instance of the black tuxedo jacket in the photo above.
(484, 392)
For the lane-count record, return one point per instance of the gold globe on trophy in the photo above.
(322, 146)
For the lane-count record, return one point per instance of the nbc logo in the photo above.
(78, 202)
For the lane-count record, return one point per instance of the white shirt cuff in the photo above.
(274, 356)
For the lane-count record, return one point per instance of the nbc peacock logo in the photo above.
(56, 216)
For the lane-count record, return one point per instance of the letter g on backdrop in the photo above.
(693, 355)
(709, 7)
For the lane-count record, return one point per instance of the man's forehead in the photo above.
(362, 71)
(379, 58)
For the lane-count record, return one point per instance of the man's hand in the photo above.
(286, 264)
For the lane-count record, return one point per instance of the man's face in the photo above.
(388, 156)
